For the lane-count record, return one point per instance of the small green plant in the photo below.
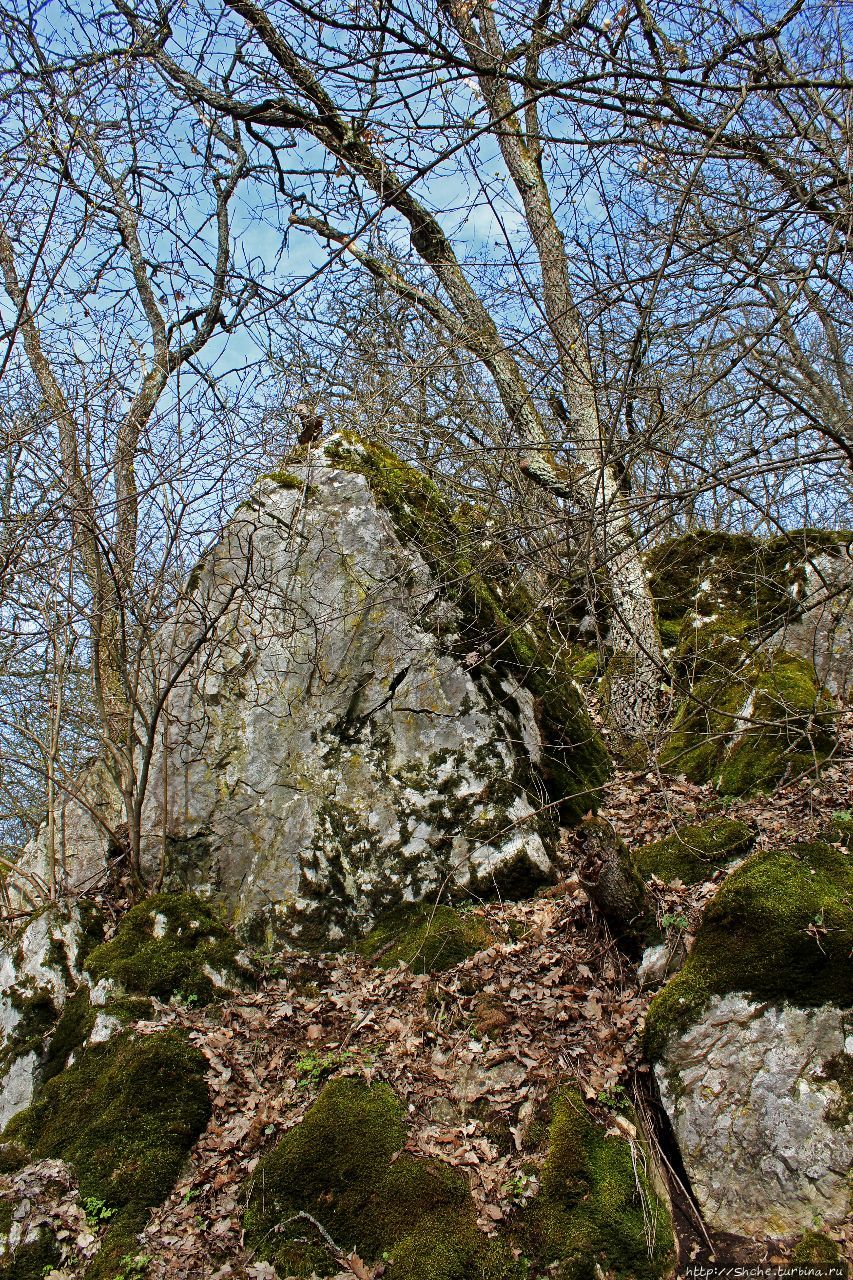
(669, 921)
(189, 998)
(97, 1211)
(518, 1188)
(613, 1098)
(190, 1194)
(133, 1266)
(313, 1067)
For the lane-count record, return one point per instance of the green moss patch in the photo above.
(840, 829)
(780, 929)
(428, 938)
(595, 1212)
(693, 853)
(284, 479)
(170, 945)
(500, 615)
(124, 1116)
(815, 1249)
(72, 1031)
(343, 1166)
(745, 720)
(748, 730)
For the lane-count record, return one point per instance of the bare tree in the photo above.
(119, 272)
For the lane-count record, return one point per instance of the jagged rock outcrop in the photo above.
(372, 710)
(751, 1046)
(64, 989)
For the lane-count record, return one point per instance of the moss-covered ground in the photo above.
(596, 1211)
(694, 852)
(780, 929)
(124, 1117)
(500, 614)
(428, 938)
(815, 1249)
(345, 1166)
(169, 946)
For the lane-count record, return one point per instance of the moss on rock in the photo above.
(815, 1249)
(745, 719)
(428, 938)
(170, 945)
(284, 479)
(34, 1260)
(596, 1212)
(124, 1117)
(780, 929)
(693, 853)
(501, 617)
(760, 581)
(343, 1166)
(748, 730)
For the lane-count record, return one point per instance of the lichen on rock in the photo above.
(500, 616)
(693, 852)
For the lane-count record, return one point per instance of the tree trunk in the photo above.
(635, 678)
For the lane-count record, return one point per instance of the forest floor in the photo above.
(473, 1052)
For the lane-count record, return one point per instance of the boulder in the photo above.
(748, 1045)
(696, 851)
(758, 1115)
(367, 708)
(63, 988)
(39, 969)
(759, 634)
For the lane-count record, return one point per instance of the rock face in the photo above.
(759, 1118)
(38, 971)
(345, 733)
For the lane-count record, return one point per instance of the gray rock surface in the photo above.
(39, 968)
(822, 630)
(759, 1117)
(327, 750)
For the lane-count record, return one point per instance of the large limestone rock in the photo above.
(751, 1045)
(759, 1116)
(356, 720)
